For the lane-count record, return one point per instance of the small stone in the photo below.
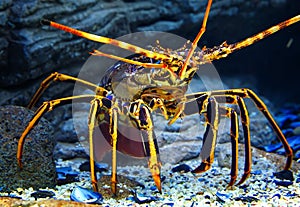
(99, 167)
(283, 183)
(247, 199)
(182, 168)
(42, 194)
(284, 175)
(296, 131)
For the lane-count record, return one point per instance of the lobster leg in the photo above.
(234, 134)
(247, 93)
(46, 107)
(63, 78)
(236, 96)
(113, 121)
(95, 103)
(210, 136)
(113, 132)
(232, 97)
(246, 128)
(141, 114)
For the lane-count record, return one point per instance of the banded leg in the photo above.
(63, 78)
(247, 93)
(201, 99)
(235, 99)
(141, 114)
(246, 129)
(113, 122)
(46, 107)
(95, 104)
(234, 135)
(210, 136)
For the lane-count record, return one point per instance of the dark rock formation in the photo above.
(38, 164)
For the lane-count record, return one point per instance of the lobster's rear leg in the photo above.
(54, 77)
(202, 99)
(234, 134)
(210, 136)
(214, 113)
(44, 108)
(235, 99)
(247, 93)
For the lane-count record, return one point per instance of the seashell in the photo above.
(256, 172)
(223, 197)
(291, 194)
(272, 147)
(84, 195)
(276, 195)
(66, 175)
(66, 171)
(142, 198)
(284, 119)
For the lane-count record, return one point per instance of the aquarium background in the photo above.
(29, 52)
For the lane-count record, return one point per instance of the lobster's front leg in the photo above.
(210, 136)
(113, 122)
(141, 115)
(96, 104)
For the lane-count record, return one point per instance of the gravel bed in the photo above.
(186, 189)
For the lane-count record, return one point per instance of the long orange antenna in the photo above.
(210, 54)
(107, 40)
(196, 40)
(264, 34)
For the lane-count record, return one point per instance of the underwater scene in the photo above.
(149, 103)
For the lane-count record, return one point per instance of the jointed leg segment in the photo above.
(234, 96)
(54, 77)
(44, 108)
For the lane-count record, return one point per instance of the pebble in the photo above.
(182, 168)
(284, 175)
(99, 167)
(42, 194)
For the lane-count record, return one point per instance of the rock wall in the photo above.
(29, 50)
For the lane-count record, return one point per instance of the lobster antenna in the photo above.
(106, 40)
(210, 54)
(196, 40)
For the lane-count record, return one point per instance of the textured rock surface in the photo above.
(28, 50)
(38, 163)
